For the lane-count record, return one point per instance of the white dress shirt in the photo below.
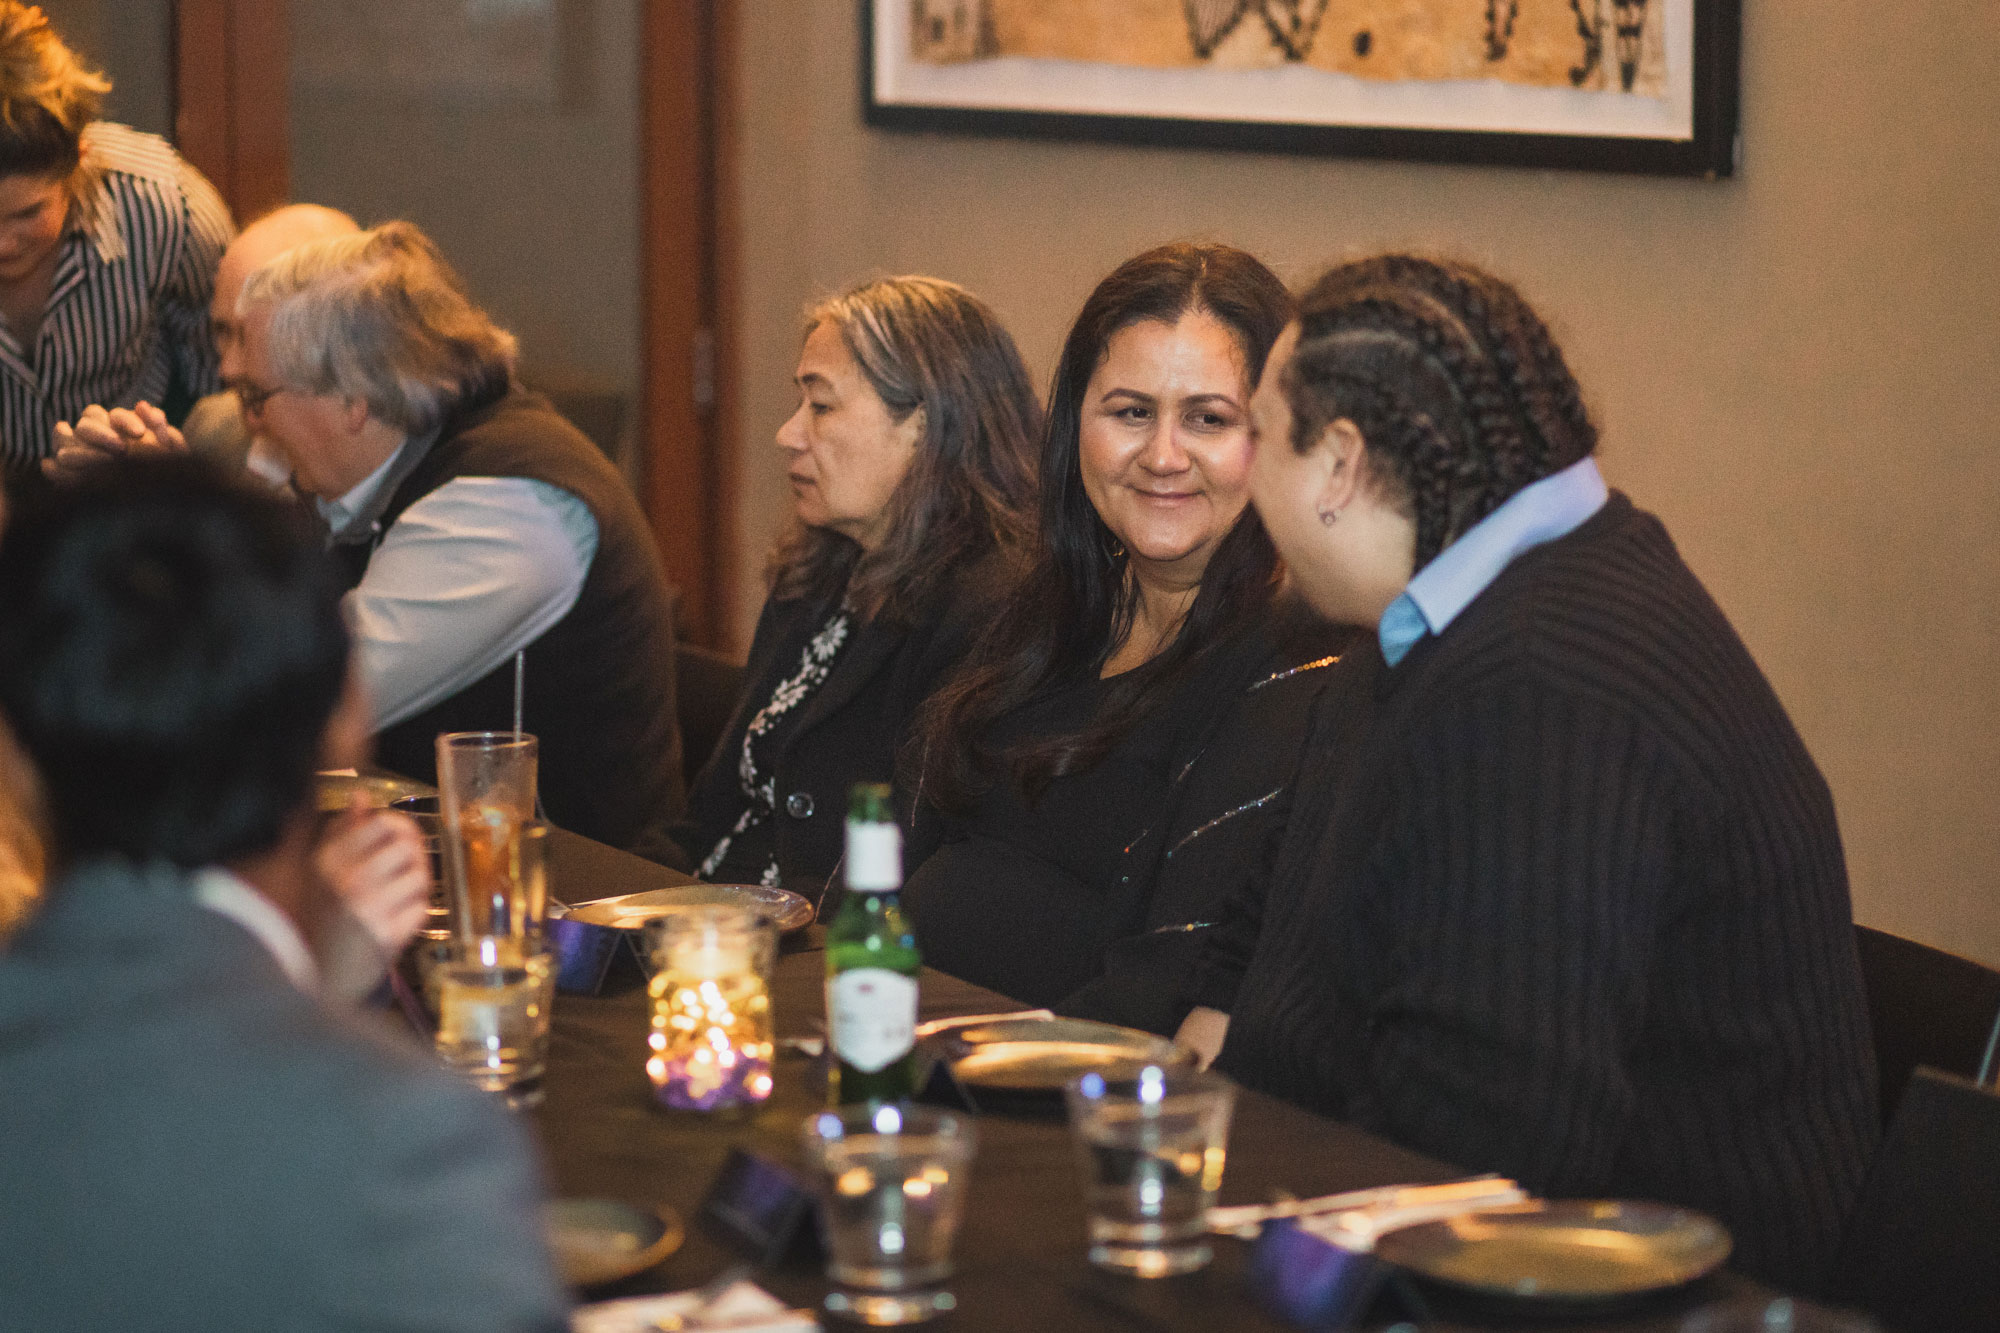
(465, 578)
(223, 893)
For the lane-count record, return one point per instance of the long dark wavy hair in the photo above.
(930, 344)
(1456, 385)
(1075, 600)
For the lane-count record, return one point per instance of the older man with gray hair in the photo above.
(474, 524)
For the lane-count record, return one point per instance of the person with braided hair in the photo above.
(1561, 894)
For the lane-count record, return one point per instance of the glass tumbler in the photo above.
(494, 996)
(1152, 1150)
(891, 1181)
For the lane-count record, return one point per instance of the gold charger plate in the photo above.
(785, 909)
(1568, 1250)
(1041, 1055)
(601, 1240)
(336, 789)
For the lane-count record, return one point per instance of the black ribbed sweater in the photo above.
(1562, 896)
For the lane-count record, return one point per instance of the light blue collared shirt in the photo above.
(1553, 507)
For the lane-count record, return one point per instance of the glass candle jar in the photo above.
(710, 1043)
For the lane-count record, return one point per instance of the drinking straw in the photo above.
(520, 686)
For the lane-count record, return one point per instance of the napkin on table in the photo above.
(744, 1308)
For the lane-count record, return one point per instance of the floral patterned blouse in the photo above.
(755, 766)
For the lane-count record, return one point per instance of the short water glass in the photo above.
(891, 1181)
(1152, 1149)
(494, 995)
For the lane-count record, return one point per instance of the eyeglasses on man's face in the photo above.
(254, 396)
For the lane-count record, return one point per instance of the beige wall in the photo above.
(133, 42)
(536, 204)
(1799, 369)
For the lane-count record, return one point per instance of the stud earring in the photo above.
(1327, 516)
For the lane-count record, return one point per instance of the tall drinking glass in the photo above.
(891, 1181)
(1152, 1149)
(486, 796)
(496, 983)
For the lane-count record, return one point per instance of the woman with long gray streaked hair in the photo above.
(911, 460)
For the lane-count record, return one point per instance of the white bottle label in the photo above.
(871, 1014)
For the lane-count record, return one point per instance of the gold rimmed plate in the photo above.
(337, 789)
(1038, 1056)
(786, 910)
(1584, 1251)
(596, 1241)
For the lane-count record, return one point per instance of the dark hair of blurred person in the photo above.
(910, 457)
(171, 660)
(115, 218)
(175, 667)
(1063, 754)
(1563, 895)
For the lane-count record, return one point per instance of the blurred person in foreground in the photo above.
(372, 860)
(20, 837)
(214, 428)
(471, 522)
(1116, 749)
(20, 840)
(180, 1106)
(1562, 895)
(108, 246)
(911, 457)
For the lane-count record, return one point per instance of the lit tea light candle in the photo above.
(711, 1042)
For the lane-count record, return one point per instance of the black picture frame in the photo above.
(1712, 152)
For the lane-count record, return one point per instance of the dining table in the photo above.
(1020, 1256)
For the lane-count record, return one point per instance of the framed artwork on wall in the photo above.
(1603, 85)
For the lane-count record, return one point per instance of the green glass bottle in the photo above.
(872, 962)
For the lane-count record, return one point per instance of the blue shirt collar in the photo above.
(1540, 512)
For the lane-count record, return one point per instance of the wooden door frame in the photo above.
(232, 99)
(688, 257)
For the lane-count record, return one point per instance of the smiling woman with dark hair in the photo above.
(1110, 757)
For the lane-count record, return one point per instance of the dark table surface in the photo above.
(1020, 1254)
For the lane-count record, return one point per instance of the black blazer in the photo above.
(851, 730)
(1563, 897)
(995, 909)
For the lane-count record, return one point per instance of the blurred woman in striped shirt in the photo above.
(108, 247)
